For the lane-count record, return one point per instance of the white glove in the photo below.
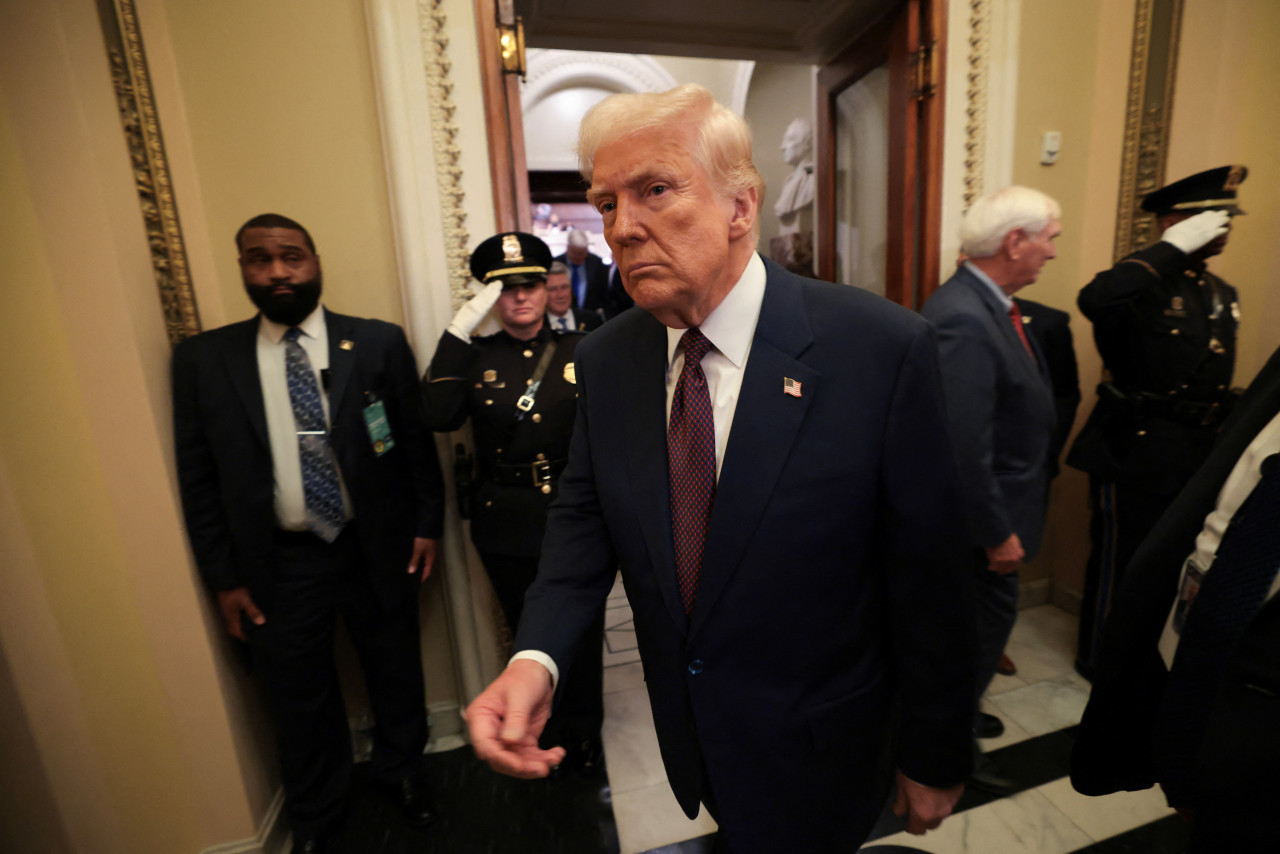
(1195, 232)
(474, 311)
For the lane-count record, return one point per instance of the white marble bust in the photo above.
(797, 191)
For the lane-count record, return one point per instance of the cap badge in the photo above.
(511, 249)
(1234, 178)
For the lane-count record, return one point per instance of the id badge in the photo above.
(1192, 578)
(375, 419)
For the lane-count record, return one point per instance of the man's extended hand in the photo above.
(924, 807)
(1006, 557)
(234, 602)
(507, 718)
(424, 555)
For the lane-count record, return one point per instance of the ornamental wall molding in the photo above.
(135, 101)
(1153, 61)
(444, 130)
(549, 71)
(975, 126)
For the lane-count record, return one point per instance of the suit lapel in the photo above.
(342, 360)
(647, 456)
(241, 354)
(1033, 367)
(765, 424)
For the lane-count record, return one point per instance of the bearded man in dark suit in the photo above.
(311, 488)
(766, 459)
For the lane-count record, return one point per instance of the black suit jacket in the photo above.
(1050, 329)
(1240, 750)
(1000, 410)
(831, 579)
(597, 296)
(224, 455)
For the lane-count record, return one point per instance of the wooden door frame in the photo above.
(504, 123)
(914, 211)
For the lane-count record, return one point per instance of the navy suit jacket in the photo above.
(224, 454)
(1240, 752)
(831, 579)
(1000, 408)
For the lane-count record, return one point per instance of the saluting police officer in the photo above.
(519, 390)
(1166, 329)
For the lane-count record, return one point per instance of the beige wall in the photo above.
(282, 117)
(1073, 64)
(1224, 112)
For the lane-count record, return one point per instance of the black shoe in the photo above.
(416, 800)
(988, 726)
(988, 778)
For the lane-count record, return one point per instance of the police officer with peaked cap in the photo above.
(1166, 329)
(519, 390)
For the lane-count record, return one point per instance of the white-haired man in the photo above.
(1000, 410)
(761, 455)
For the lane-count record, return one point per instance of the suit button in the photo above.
(695, 666)
(537, 418)
(488, 504)
(1142, 432)
(541, 457)
(488, 403)
(528, 354)
(546, 488)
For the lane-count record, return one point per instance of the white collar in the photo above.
(312, 326)
(1004, 298)
(732, 324)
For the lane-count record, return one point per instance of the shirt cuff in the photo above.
(543, 659)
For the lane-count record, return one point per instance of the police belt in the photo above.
(526, 474)
(1195, 413)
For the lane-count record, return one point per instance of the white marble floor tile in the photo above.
(624, 677)
(1001, 683)
(650, 817)
(1046, 706)
(630, 742)
(1048, 626)
(1110, 815)
(618, 593)
(1026, 823)
(1013, 733)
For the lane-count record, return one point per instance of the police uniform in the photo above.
(521, 434)
(1166, 330)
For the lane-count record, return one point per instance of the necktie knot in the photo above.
(292, 334)
(696, 345)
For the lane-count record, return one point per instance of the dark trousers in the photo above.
(580, 713)
(293, 652)
(1122, 517)
(996, 597)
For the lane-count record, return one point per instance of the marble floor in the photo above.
(1039, 706)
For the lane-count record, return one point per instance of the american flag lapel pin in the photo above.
(790, 386)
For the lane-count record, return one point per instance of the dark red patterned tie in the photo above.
(691, 461)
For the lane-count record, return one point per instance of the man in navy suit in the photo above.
(765, 457)
(311, 487)
(1000, 409)
(588, 274)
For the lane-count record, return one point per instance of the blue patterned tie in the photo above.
(691, 462)
(1233, 591)
(320, 486)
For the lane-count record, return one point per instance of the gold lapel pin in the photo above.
(344, 344)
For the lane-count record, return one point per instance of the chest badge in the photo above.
(490, 376)
(570, 376)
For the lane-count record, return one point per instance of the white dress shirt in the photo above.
(282, 429)
(1005, 299)
(563, 322)
(1237, 487)
(730, 328)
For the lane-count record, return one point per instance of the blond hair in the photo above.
(723, 139)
